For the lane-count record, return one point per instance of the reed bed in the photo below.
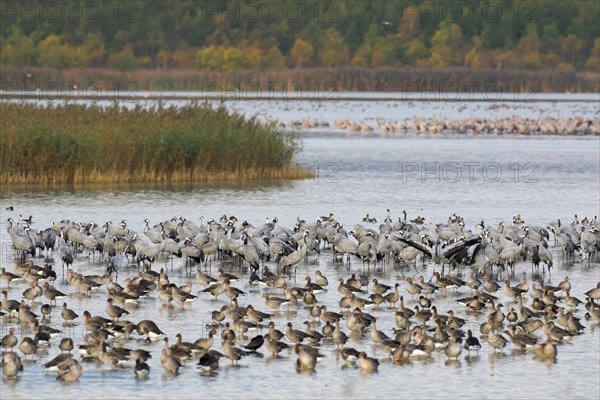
(384, 79)
(86, 145)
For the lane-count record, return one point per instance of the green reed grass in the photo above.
(79, 144)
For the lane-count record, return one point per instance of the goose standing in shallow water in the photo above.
(274, 334)
(321, 279)
(545, 351)
(209, 362)
(233, 353)
(66, 344)
(274, 346)
(497, 341)
(307, 358)
(453, 349)
(28, 346)
(169, 362)
(69, 371)
(295, 335)
(141, 369)
(150, 329)
(366, 363)
(53, 294)
(411, 288)
(8, 277)
(68, 315)
(472, 343)
(11, 365)
(350, 355)
(9, 305)
(115, 312)
(10, 340)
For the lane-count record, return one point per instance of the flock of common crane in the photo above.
(397, 242)
(401, 241)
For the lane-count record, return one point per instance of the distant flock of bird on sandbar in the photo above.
(515, 125)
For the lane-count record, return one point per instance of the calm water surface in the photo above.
(540, 179)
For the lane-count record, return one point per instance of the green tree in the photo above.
(232, 58)
(528, 52)
(208, 58)
(593, 62)
(333, 51)
(93, 51)
(409, 23)
(17, 49)
(301, 52)
(183, 58)
(446, 45)
(52, 53)
(362, 56)
(123, 60)
(570, 47)
(254, 57)
(475, 58)
(415, 51)
(48, 52)
(274, 59)
(190, 33)
(162, 59)
(384, 52)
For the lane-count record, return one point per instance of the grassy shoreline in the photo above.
(89, 145)
(307, 80)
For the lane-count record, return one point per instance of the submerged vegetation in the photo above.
(79, 144)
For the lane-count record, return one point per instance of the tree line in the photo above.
(275, 35)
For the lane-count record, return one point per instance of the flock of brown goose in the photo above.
(227, 260)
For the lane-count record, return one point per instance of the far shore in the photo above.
(54, 93)
(308, 80)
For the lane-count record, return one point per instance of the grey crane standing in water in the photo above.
(295, 257)
(482, 256)
(64, 252)
(117, 230)
(150, 252)
(589, 245)
(36, 239)
(541, 254)
(250, 253)
(21, 239)
(155, 235)
(117, 262)
(510, 251)
(367, 252)
(279, 247)
(49, 239)
(342, 244)
(191, 251)
(448, 253)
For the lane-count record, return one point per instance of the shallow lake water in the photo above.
(541, 179)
